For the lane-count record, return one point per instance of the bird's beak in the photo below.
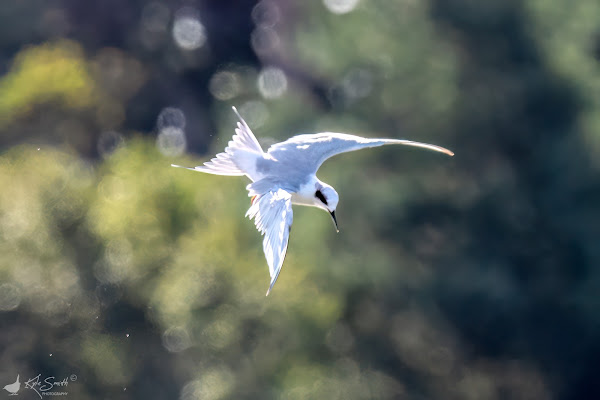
(332, 213)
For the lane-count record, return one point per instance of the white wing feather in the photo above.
(244, 137)
(273, 216)
(309, 151)
(240, 153)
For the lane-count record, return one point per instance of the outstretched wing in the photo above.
(311, 150)
(272, 213)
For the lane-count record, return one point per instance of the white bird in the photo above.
(286, 175)
(13, 388)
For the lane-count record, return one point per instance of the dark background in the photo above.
(472, 277)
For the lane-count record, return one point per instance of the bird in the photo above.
(284, 175)
(13, 388)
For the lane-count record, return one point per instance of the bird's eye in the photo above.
(320, 196)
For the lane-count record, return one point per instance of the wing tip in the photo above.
(273, 280)
(436, 148)
(181, 166)
(271, 287)
(237, 113)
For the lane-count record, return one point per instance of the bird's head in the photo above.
(327, 198)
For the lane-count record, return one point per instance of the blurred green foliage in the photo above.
(50, 72)
(466, 278)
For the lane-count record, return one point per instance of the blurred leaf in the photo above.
(49, 72)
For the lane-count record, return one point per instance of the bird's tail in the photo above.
(242, 147)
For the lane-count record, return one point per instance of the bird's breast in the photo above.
(305, 195)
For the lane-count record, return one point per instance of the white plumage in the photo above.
(286, 175)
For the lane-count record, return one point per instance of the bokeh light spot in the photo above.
(171, 142)
(225, 85)
(340, 6)
(264, 40)
(220, 334)
(265, 13)
(191, 391)
(272, 83)
(189, 33)
(212, 385)
(255, 113)
(176, 339)
(170, 117)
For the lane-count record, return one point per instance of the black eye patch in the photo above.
(320, 196)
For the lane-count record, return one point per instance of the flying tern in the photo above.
(286, 175)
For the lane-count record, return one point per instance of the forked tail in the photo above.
(241, 149)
